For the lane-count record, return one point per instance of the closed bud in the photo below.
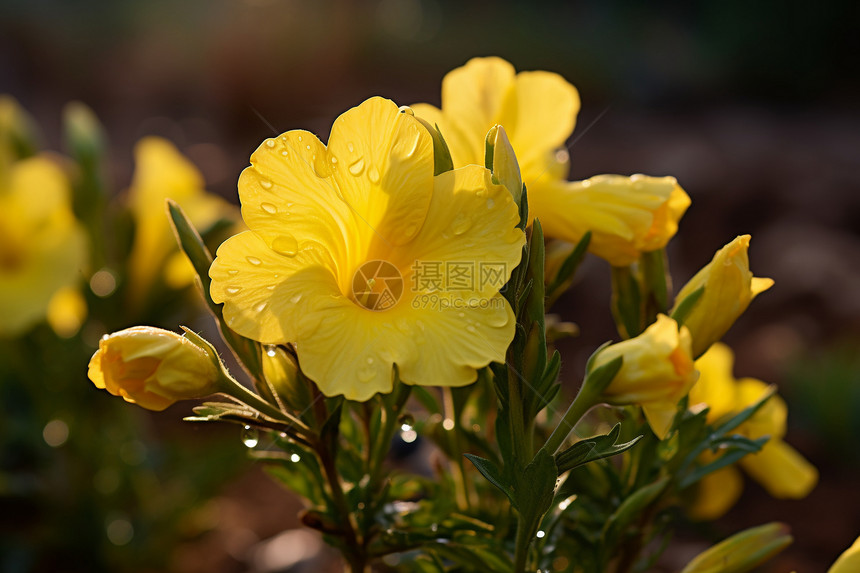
(154, 368)
(743, 551)
(729, 287)
(657, 371)
(502, 161)
(84, 134)
(282, 372)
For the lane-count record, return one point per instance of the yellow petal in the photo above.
(849, 561)
(265, 293)
(770, 419)
(660, 416)
(716, 493)
(539, 114)
(716, 386)
(782, 470)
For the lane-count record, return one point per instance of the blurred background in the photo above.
(754, 107)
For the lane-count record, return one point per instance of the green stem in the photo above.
(524, 537)
(581, 404)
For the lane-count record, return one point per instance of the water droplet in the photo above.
(498, 320)
(370, 359)
(409, 435)
(285, 153)
(434, 527)
(270, 287)
(462, 223)
(366, 374)
(541, 533)
(490, 203)
(250, 437)
(333, 159)
(285, 245)
(254, 261)
(351, 147)
(233, 289)
(402, 325)
(270, 143)
(406, 421)
(357, 167)
(448, 424)
(265, 184)
(260, 307)
(295, 458)
(232, 272)
(268, 208)
(373, 175)
(308, 146)
(300, 138)
(406, 109)
(295, 298)
(471, 328)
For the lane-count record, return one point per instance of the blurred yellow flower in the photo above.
(656, 373)
(344, 247)
(153, 368)
(43, 248)
(849, 561)
(162, 173)
(729, 289)
(778, 467)
(626, 215)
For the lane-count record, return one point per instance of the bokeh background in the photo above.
(753, 106)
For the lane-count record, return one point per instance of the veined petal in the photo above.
(289, 197)
(384, 171)
(539, 114)
(456, 336)
(472, 97)
(471, 224)
(267, 295)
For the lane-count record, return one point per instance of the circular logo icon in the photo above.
(377, 285)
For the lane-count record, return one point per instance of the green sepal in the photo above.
(570, 265)
(442, 161)
(685, 307)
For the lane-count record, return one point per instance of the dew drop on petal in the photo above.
(461, 224)
(270, 143)
(471, 328)
(232, 272)
(265, 184)
(350, 146)
(260, 307)
(295, 298)
(366, 374)
(333, 159)
(254, 261)
(268, 208)
(300, 138)
(285, 245)
(357, 167)
(308, 146)
(232, 289)
(498, 320)
(250, 436)
(285, 153)
(490, 203)
(373, 175)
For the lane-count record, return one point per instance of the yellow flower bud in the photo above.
(656, 373)
(729, 289)
(282, 372)
(506, 169)
(848, 562)
(743, 551)
(153, 368)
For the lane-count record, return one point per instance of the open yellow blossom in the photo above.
(626, 215)
(43, 248)
(162, 173)
(153, 368)
(730, 287)
(778, 467)
(849, 561)
(343, 251)
(656, 373)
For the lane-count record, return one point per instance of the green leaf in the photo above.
(591, 449)
(626, 302)
(631, 508)
(534, 486)
(442, 161)
(570, 264)
(732, 455)
(493, 475)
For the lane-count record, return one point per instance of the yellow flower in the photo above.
(162, 173)
(345, 245)
(153, 368)
(43, 248)
(656, 373)
(778, 467)
(626, 215)
(849, 561)
(729, 289)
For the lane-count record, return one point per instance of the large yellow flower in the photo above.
(43, 248)
(778, 467)
(626, 215)
(161, 173)
(357, 253)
